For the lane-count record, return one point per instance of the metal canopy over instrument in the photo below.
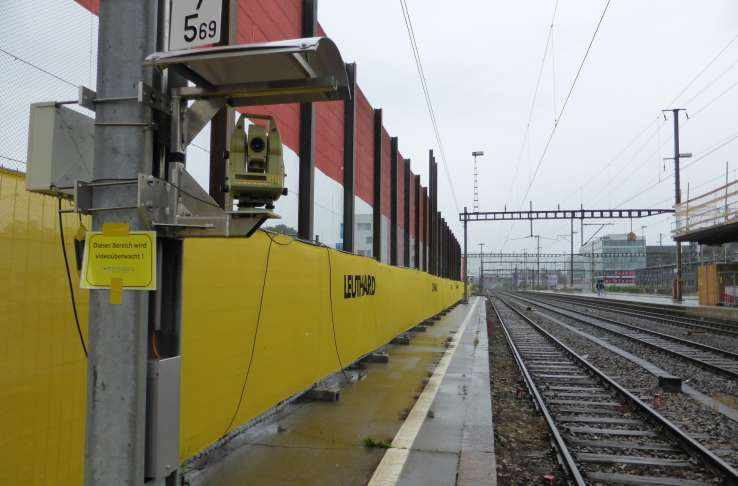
(289, 71)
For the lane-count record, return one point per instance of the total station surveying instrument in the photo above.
(255, 168)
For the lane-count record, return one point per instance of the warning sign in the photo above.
(113, 259)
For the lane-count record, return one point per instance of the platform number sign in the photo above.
(194, 23)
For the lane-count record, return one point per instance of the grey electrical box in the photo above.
(61, 145)
(162, 418)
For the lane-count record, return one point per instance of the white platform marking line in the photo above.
(389, 469)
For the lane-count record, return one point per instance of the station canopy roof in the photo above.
(288, 71)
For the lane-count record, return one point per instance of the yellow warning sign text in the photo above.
(130, 257)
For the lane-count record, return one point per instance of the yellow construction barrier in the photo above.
(321, 310)
(44, 372)
(263, 319)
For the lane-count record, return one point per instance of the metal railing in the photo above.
(715, 208)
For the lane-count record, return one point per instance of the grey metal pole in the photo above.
(581, 227)
(481, 266)
(466, 258)
(538, 260)
(571, 255)
(116, 382)
(677, 297)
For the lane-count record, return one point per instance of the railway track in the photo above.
(603, 433)
(713, 359)
(652, 313)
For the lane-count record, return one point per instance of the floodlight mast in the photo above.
(475, 154)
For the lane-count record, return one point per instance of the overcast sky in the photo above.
(481, 60)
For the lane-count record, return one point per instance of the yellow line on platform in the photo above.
(394, 459)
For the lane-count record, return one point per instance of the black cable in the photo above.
(69, 279)
(204, 149)
(12, 159)
(330, 296)
(204, 201)
(272, 235)
(28, 63)
(253, 340)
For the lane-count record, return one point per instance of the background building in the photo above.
(615, 258)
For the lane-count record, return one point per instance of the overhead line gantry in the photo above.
(552, 214)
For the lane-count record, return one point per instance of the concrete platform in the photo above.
(687, 301)
(323, 442)
(455, 438)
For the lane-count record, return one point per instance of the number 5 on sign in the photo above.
(194, 23)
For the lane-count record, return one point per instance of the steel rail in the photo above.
(673, 310)
(567, 460)
(690, 445)
(636, 311)
(684, 342)
(724, 330)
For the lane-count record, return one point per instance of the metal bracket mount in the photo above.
(175, 208)
(145, 94)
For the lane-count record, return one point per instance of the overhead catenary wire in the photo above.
(711, 83)
(640, 164)
(566, 101)
(426, 93)
(525, 142)
(526, 133)
(681, 92)
(560, 115)
(703, 70)
(618, 155)
(709, 151)
(713, 100)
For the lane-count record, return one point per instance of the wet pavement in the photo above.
(455, 444)
(323, 442)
